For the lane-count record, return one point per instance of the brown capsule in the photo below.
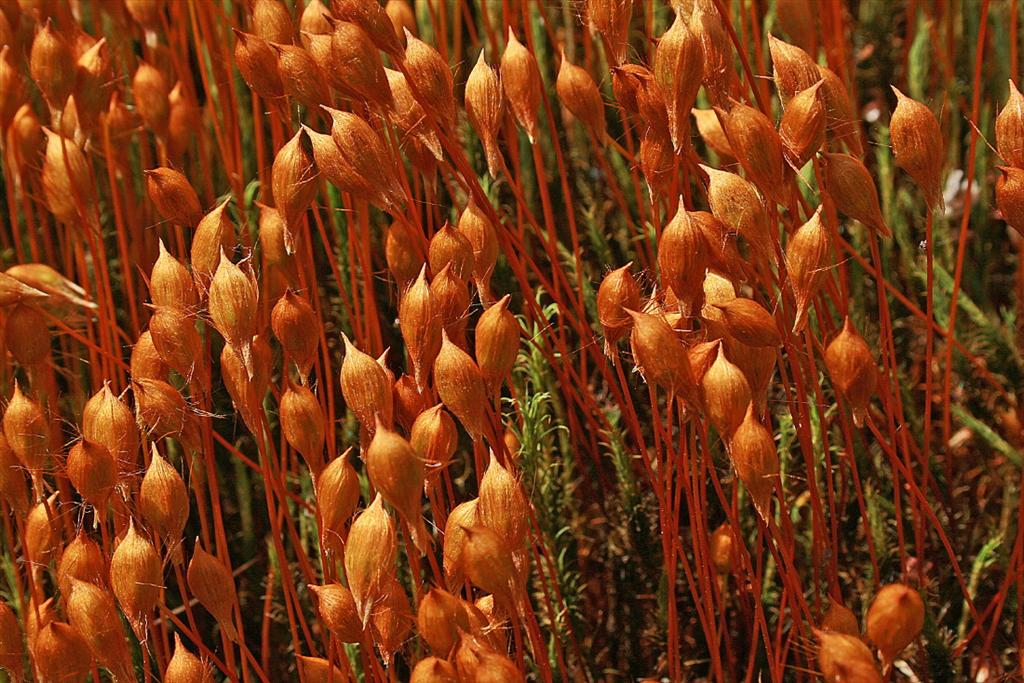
(497, 668)
(432, 79)
(247, 393)
(294, 181)
(462, 388)
(749, 323)
(357, 64)
(337, 494)
(337, 611)
(213, 586)
(257, 63)
(397, 473)
(802, 128)
(797, 19)
(451, 296)
(1010, 129)
(92, 470)
(315, 18)
(61, 653)
(618, 293)
(1009, 196)
(370, 557)
(433, 670)
(67, 185)
(185, 118)
(410, 116)
(918, 147)
(678, 71)
(488, 563)
(294, 323)
(107, 420)
(14, 291)
(839, 619)
(520, 79)
(408, 400)
(303, 425)
(758, 149)
(151, 93)
(468, 656)
(136, 577)
(657, 162)
(68, 123)
(719, 74)
(449, 247)
(318, 669)
(164, 501)
(81, 561)
(485, 107)
(12, 647)
(272, 21)
(462, 515)
(841, 116)
(808, 257)
(177, 341)
(174, 197)
(27, 431)
(214, 235)
(391, 621)
(726, 395)
(894, 620)
(718, 289)
(683, 258)
(609, 20)
(91, 610)
(36, 618)
(365, 387)
(364, 165)
(792, 68)
(579, 94)
(185, 667)
(51, 63)
(497, 344)
(710, 129)
(93, 79)
(722, 548)
(628, 84)
(170, 283)
(26, 139)
(13, 485)
(60, 291)
(735, 202)
(12, 89)
(502, 505)
(43, 531)
(402, 252)
(27, 335)
(421, 327)
(852, 368)
(372, 18)
(756, 460)
(234, 306)
(162, 410)
(402, 17)
(301, 77)
(434, 437)
(440, 618)
(853, 190)
(477, 227)
(659, 354)
(845, 658)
